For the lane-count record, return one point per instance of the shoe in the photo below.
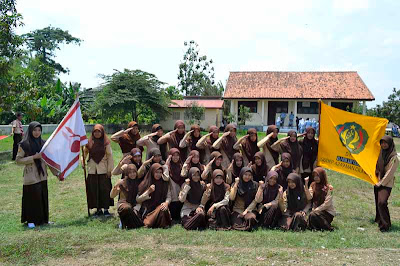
(107, 213)
(50, 223)
(98, 213)
(120, 225)
(31, 225)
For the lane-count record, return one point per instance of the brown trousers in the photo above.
(220, 219)
(129, 217)
(382, 216)
(99, 188)
(195, 221)
(157, 219)
(295, 222)
(35, 203)
(320, 220)
(269, 218)
(246, 223)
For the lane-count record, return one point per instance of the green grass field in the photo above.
(75, 239)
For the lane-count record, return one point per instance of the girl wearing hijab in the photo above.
(193, 216)
(155, 157)
(215, 163)
(150, 141)
(193, 160)
(217, 198)
(268, 196)
(127, 190)
(234, 168)
(206, 143)
(191, 139)
(134, 157)
(259, 167)
(174, 137)
(100, 165)
(284, 168)
(127, 138)
(155, 196)
(323, 210)
(35, 200)
(243, 195)
(225, 144)
(294, 204)
(309, 147)
(291, 146)
(248, 146)
(174, 165)
(386, 167)
(271, 156)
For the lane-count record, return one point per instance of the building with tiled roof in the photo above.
(268, 94)
(213, 106)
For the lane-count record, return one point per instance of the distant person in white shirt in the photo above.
(17, 132)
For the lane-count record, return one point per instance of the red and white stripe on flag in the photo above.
(61, 150)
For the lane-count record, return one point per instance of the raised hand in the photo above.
(149, 160)
(126, 131)
(126, 159)
(188, 159)
(187, 181)
(249, 164)
(226, 134)
(152, 188)
(230, 167)
(168, 160)
(237, 179)
(306, 180)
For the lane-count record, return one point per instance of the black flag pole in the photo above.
(85, 175)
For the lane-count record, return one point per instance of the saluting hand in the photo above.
(187, 181)
(188, 159)
(149, 160)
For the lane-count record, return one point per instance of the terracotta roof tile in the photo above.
(208, 104)
(292, 85)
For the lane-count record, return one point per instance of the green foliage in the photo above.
(230, 118)
(173, 93)
(44, 42)
(390, 109)
(10, 49)
(194, 113)
(244, 115)
(196, 73)
(132, 92)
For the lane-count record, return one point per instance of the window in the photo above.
(251, 104)
(176, 115)
(343, 106)
(307, 108)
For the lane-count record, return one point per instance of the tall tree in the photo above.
(10, 49)
(196, 72)
(44, 43)
(134, 91)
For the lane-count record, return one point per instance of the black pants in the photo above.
(381, 204)
(17, 139)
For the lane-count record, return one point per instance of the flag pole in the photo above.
(85, 175)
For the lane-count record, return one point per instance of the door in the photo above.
(274, 108)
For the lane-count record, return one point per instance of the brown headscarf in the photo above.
(270, 192)
(193, 139)
(218, 191)
(385, 156)
(296, 198)
(32, 145)
(198, 165)
(271, 141)
(211, 140)
(320, 190)
(285, 171)
(260, 171)
(128, 186)
(247, 190)
(293, 148)
(134, 152)
(196, 188)
(236, 169)
(175, 139)
(310, 149)
(97, 147)
(163, 147)
(216, 155)
(176, 168)
(161, 188)
(128, 141)
(228, 142)
(250, 147)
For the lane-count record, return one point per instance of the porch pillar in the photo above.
(262, 112)
(364, 107)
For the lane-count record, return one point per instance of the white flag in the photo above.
(61, 150)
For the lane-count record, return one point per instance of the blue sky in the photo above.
(314, 35)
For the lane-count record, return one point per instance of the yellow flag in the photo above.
(349, 143)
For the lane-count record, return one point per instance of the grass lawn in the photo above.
(76, 239)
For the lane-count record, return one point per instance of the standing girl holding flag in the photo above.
(100, 165)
